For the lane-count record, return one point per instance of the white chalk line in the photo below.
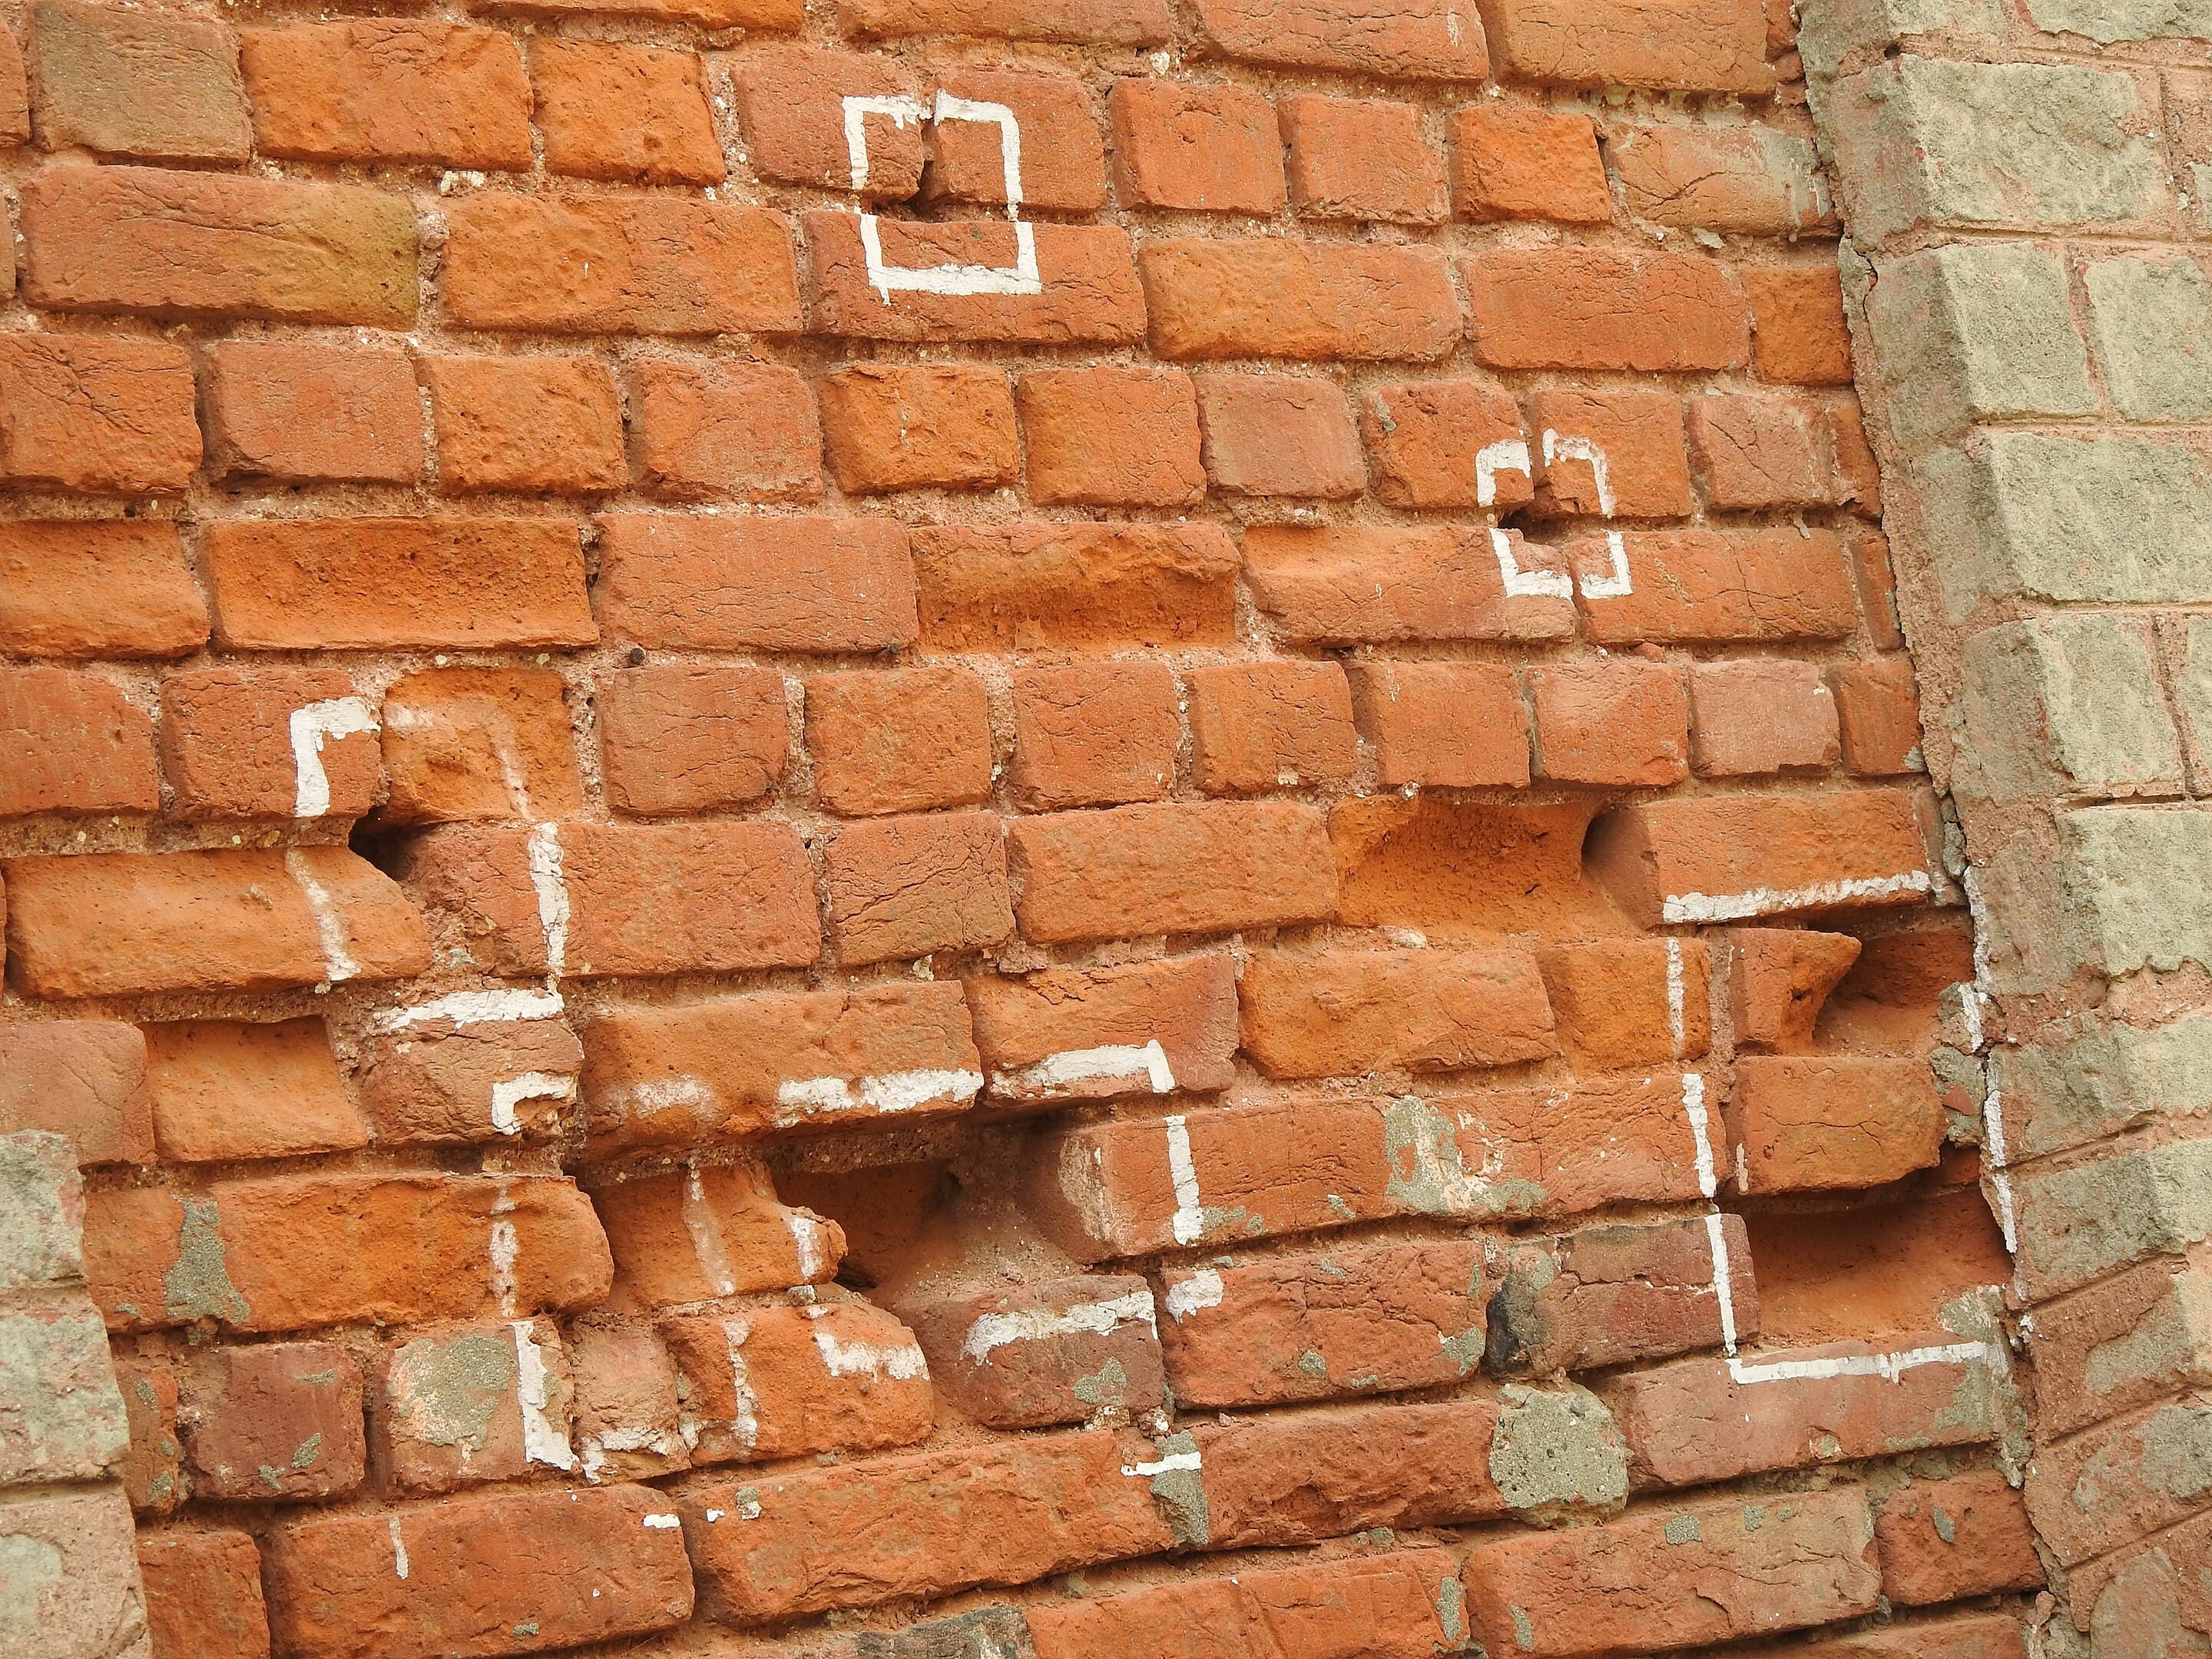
(1769, 901)
(311, 727)
(475, 1008)
(331, 934)
(543, 850)
(1022, 277)
(1102, 1318)
(1070, 1066)
(1188, 1223)
(1887, 1366)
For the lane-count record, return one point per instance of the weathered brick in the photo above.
(630, 114)
(89, 414)
(314, 412)
(1628, 1002)
(1943, 1541)
(468, 1404)
(1515, 161)
(837, 1377)
(1097, 1033)
(1093, 734)
(2121, 1344)
(1708, 45)
(2077, 1224)
(1758, 454)
(1433, 443)
(1270, 297)
(1637, 435)
(1758, 716)
(84, 1078)
(2063, 705)
(1111, 436)
(156, 88)
(2119, 1480)
(1080, 23)
(698, 1233)
(1354, 584)
(791, 105)
(707, 428)
(907, 887)
(15, 94)
(899, 741)
(1588, 308)
(203, 1593)
(545, 425)
(105, 587)
(1798, 337)
(1274, 435)
(65, 1420)
(152, 1468)
(1877, 706)
(296, 742)
(1459, 725)
(461, 743)
(1063, 155)
(627, 1415)
(1754, 179)
(1209, 147)
(1361, 158)
(782, 15)
(388, 89)
(80, 1593)
(1619, 722)
(444, 1082)
(777, 585)
(905, 426)
(1721, 586)
(1260, 727)
(1606, 1295)
(1024, 587)
(1423, 40)
(276, 1419)
(677, 737)
(1060, 1351)
(223, 1090)
(72, 742)
(1349, 1011)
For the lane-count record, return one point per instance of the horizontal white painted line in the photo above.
(1890, 1366)
(475, 1008)
(1769, 901)
(995, 1330)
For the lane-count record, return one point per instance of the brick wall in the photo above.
(954, 829)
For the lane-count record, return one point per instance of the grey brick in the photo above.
(2063, 705)
(2151, 321)
(68, 1579)
(61, 1415)
(1833, 30)
(2138, 876)
(2080, 1224)
(2059, 1094)
(2107, 21)
(41, 1211)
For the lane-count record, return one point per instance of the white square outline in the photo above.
(1021, 277)
(1512, 455)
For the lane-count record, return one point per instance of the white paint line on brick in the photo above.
(543, 851)
(707, 1248)
(1072, 1066)
(338, 962)
(1678, 1025)
(504, 1246)
(898, 109)
(800, 1098)
(1889, 1366)
(1693, 1108)
(812, 1241)
(1173, 1461)
(508, 1092)
(844, 1356)
(744, 1418)
(311, 727)
(1188, 1224)
(542, 1440)
(1185, 1296)
(1724, 1280)
(995, 1330)
(663, 1523)
(1769, 901)
(475, 1008)
(398, 1547)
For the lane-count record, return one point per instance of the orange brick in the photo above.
(828, 1376)
(1270, 297)
(121, 83)
(1703, 45)
(1757, 454)
(1943, 1541)
(1798, 336)
(1210, 148)
(679, 737)
(1277, 435)
(1510, 162)
(1093, 734)
(708, 429)
(1397, 1597)
(276, 1419)
(1880, 709)
(1339, 1012)
(899, 741)
(204, 244)
(15, 94)
(1021, 586)
(1779, 980)
(791, 105)
(1351, 585)
(373, 584)
(765, 1245)
(775, 584)
(1608, 1294)
(1040, 1352)
(1079, 22)
(91, 413)
(1040, 1035)
(902, 887)
(1753, 180)
(1633, 1002)
(478, 743)
(113, 587)
(1875, 583)
(1063, 155)
(1260, 726)
(388, 89)
(1592, 308)
(84, 1078)
(1622, 722)
(229, 747)
(1427, 438)
(444, 1082)
(913, 425)
(1761, 716)
(1814, 1123)
(1640, 436)
(1361, 158)
(1456, 724)
(1110, 436)
(785, 15)
(644, 264)
(1426, 40)
(631, 114)
(417, 1444)
(71, 743)
(1717, 586)
(203, 1593)
(314, 413)
(629, 1420)
(525, 424)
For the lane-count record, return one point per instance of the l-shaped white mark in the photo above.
(311, 727)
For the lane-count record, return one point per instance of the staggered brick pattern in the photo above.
(981, 828)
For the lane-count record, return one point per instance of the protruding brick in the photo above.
(1619, 722)
(1361, 158)
(1057, 1352)
(151, 87)
(1272, 297)
(1350, 1012)
(1592, 308)
(710, 428)
(1943, 1541)
(92, 413)
(442, 1081)
(1354, 584)
(630, 114)
(84, 1078)
(1093, 734)
(1708, 45)
(282, 743)
(1260, 726)
(82, 1587)
(1423, 40)
(1274, 435)
(1433, 444)
(276, 1420)
(1078, 586)
(1111, 436)
(468, 1404)
(316, 413)
(390, 89)
(899, 741)
(1779, 980)
(1878, 704)
(698, 1233)
(547, 425)
(1098, 1033)
(1798, 336)
(1759, 716)
(1514, 161)
(1606, 1295)
(1063, 155)
(679, 738)
(1212, 147)
(908, 887)
(1628, 1002)
(1457, 725)
(72, 742)
(98, 587)
(1691, 586)
(65, 1421)
(828, 1377)
(203, 1593)
(772, 584)
(478, 743)
(223, 1090)
(1805, 1124)
(908, 426)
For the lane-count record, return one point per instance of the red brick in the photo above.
(446, 1083)
(15, 94)
(314, 413)
(2116, 1480)
(681, 738)
(450, 1409)
(908, 887)
(1759, 716)
(1063, 155)
(1271, 297)
(641, 898)
(898, 742)
(1752, 180)
(1111, 436)
(1628, 1002)
(293, 1252)
(627, 1416)
(84, 1078)
(160, 88)
(1024, 587)
(152, 1469)
(111, 587)
(841, 1376)
(1088, 291)
(1065, 1034)
(771, 584)
(204, 1595)
(1640, 436)
(1056, 1353)
(583, 1565)
(1738, 1569)
(1352, 1012)
(742, 1067)
(1839, 435)
(209, 244)
(1429, 439)
(1184, 868)
(1798, 336)
(462, 744)
(374, 584)
(783, 16)
(1361, 158)
(631, 114)
(221, 1091)
(1457, 725)
(1515, 161)
(1210, 146)
(1779, 980)
(1757, 453)
(1971, 1636)
(1423, 40)
(1592, 308)
(1876, 585)
(1264, 726)
(121, 924)
(1693, 1422)
(1879, 706)
(910, 426)
(2148, 1319)
(614, 264)
(1943, 1541)
(707, 429)
(1619, 722)
(72, 742)
(791, 104)
(1608, 1295)
(921, 1525)
(1729, 858)
(1354, 584)
(537, 424)
(229, 749)
(1805, 1124)
(278, 1419)
(1404, 1603)
(1693, 587)
(1093, 734)
(1080, 23)
(1703, 45)
(78, 412)
(1274, 435)
(388, 89)
(1309, 1327)
(698, 1233)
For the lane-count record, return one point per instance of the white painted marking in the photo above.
(475, 1008)
(399, 1545)
(508, 1092)
(949, 109)
(505, 1248)
(1182, 1460)
(1724, 1280)
(744, 1415)
(1993, 1127)
(1200, 1291)
(663, 1523)
(338, 962)
(854, 1356)
(1889, 1366)
(1769, 901)
(1073, 1066)
(812, 1240)
(1677, 1010)
(545, 879)
(1574, 448)
(898, 109)
(800, 1098)
(1188, 1224)
(1693, 1108)
(311, 727)
(708, 1246)
(543, 1441)
(1020, 277)
(1506, 455)
(1527, 584)
(995, 1330)
(1615, 585)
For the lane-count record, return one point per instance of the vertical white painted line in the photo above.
(1693, 1108)
(1506, 455)
(708, 1248)
(1188, 1224)
(898, 109)
(543, 1441)
(744, 1412)
(949, 109)
(399, 1545)
(1678, 1025)
(1993, 1129)
(1716, 1236)
(504, 1245)
(310, 726)
(544, 850)
(338, 962)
